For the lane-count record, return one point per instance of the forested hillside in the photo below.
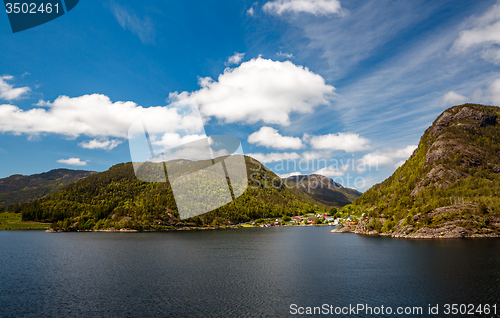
(456, 168)
(117, 199)
(19, 188)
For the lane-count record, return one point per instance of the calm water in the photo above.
(236, 273)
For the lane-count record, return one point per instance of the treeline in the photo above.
(117, 199)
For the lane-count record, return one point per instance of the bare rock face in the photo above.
(441, 123)
(466, 117)
(361, 226)
(440, 177)
(478, 118)
(442, 149)
(443, 177)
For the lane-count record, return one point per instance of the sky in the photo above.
(340, 88)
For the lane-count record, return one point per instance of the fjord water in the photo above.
(236, 273)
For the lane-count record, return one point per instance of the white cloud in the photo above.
(96, 116)
(405, 152)
(143, 28)
(106, 144)
(494, 90)
(399, 163)
(287, 55)
(313, 155)
(452, 98)
(271, 138)
(484, 33)
(8, 92)
(330, 172)
(260, 90)
(487, 95)
(291, 174)
(171, 140)
(275, 156)
(235, 59)
(342, 141)
(73, 162)
(250, 11)
(316, 7)
(380, 158)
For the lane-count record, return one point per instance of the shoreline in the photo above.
(234, 227)
(423, 233)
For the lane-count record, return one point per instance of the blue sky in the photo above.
(342, 88)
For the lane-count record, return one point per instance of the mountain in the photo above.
(448, 187)
(18, 188)
(117, 199)
(321, 189)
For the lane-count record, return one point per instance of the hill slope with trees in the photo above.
(19, 188)
(448, 187)
(117, 199)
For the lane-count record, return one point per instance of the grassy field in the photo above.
(12, 221)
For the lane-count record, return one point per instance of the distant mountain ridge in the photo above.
(20, 188)
(321, 189)
(448, 187)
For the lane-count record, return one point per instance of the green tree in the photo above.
(332, 211)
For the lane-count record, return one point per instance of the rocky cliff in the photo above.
(448, 187)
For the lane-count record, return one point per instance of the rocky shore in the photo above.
(442, 223)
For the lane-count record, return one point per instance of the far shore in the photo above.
(184, 228)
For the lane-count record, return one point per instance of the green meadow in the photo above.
(12, 221)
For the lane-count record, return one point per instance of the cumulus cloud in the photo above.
(484, 33)
(384, 158)
(96, 116)
(250, 11)
(494, 91)
(106, 144)
(347, 142)
(72, 162)
(291, 174)
(274, 156)
(8, 92)
(316, 7)
(171, 140)
(487, 95)
(330, 172)
(313, 155)
(235, 59)
(260, 90)
(452, 98)
(271, 138)
(143, 28)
